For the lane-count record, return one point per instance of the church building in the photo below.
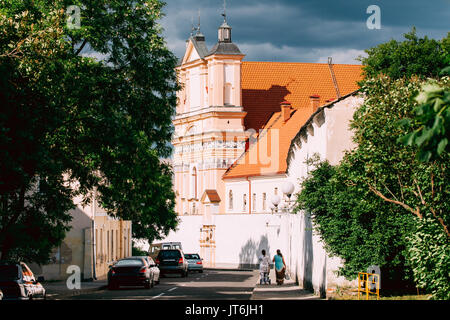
(226, 115)
(234, 126)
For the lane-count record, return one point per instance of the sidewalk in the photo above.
(288, 291)
(58, 290)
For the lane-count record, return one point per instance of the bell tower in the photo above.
(209, 123)
(224, 66)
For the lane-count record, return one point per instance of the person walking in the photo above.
(264, 268)
(280, 267)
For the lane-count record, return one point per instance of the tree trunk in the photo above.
(6, 238)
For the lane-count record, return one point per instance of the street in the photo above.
(209, 285)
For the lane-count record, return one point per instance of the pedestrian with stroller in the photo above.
(264, 268)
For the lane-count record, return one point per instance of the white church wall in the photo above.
(258, 186)
(318, 270)
(239, 238)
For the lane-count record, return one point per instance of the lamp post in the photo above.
(288, 189)
(275, 202)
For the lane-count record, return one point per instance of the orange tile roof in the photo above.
(212, 195)
(267, 84)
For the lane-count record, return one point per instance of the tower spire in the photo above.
(224, 14)
(198, 26)
(193, 29)
(224, 29)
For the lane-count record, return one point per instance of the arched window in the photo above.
(230, 200)
(227, 94)
(244, 203)
(254, 202)
(264, 201)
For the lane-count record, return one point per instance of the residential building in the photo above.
(94, 241)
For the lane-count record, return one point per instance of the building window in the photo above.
(254, 202)
(129, 241)
(264, 198)
(101, 245)
(117, 245)
(244, 203)
(112, 245)
(227, 94)
(230, 200)
(107, 246)
(194, 183)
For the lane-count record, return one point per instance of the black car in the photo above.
(17, 282)
(172, 261)
(152, 265)
(130, 272)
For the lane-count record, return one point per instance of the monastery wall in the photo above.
(237, 241)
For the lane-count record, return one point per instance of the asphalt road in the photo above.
(209, 285)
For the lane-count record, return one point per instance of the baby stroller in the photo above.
(264, 279)
(264, 268)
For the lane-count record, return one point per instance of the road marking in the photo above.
(172, 289)
(159, 295)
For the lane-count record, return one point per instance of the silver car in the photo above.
(195, 263)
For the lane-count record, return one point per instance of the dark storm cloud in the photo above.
(307, 30)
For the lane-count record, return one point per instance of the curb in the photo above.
(225, 269)
(290, 290)
(72, 293)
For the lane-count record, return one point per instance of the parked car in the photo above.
(17, 282)
(172, 261)
(195, 263)
(153, 267)
(133, 271)
(155, 270)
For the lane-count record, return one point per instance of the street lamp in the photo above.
(288, 189)
(275, 201)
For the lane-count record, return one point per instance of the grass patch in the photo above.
(352, 294)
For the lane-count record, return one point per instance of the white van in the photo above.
(156, 247)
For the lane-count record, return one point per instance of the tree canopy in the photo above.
(414, 56)
(387, 202)
(75, 125)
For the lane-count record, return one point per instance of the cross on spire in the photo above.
(195, 29)
(192, 26)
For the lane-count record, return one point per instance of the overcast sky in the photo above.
(304, 30)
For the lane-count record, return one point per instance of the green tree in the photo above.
(355, 225)
(430, 127)
(414, 56)
(75, 125)
(381, 197)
